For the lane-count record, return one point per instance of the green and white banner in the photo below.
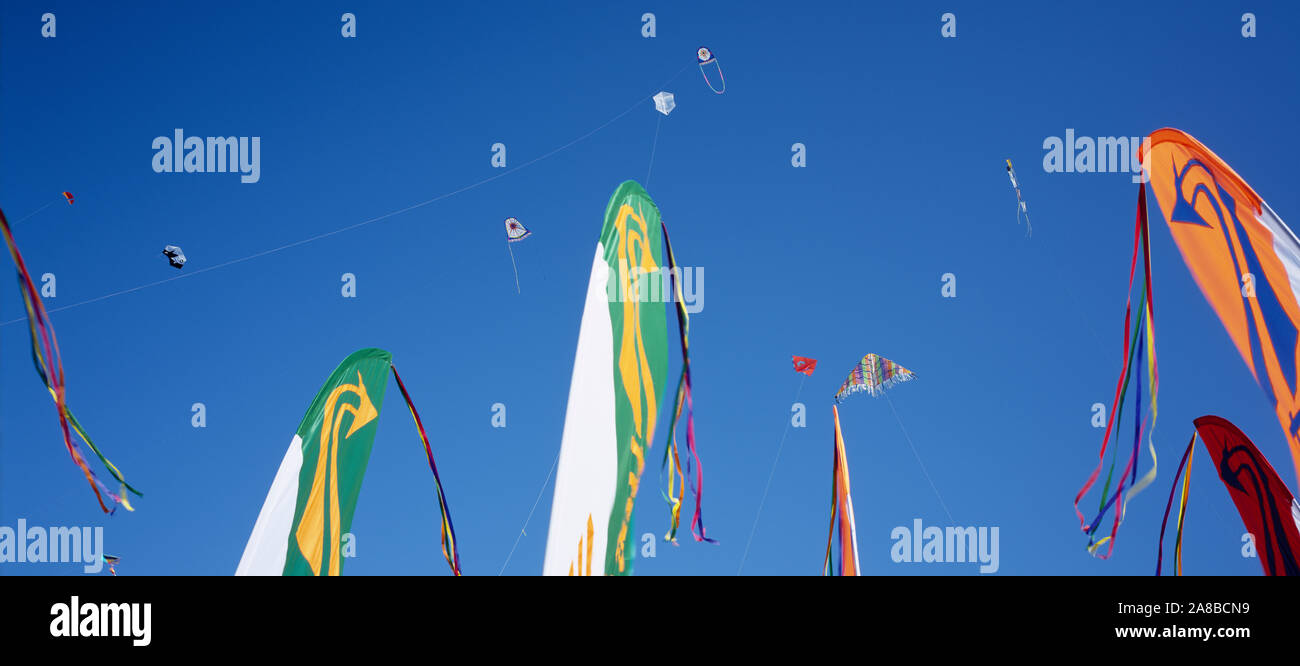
(615, 394)
(314, 495)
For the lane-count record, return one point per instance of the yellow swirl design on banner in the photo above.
(636, 264)
(311, 528)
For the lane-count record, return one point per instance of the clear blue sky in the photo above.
(906, 134)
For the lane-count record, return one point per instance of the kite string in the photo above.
(918, 458)
(653, 145)
(512, 265)
(32, 214)
(372, 220)
(530, 513)
(771, 475)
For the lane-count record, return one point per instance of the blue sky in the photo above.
(906, 133)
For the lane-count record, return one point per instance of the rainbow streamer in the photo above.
(1185, 469)
(49, 366)
(448, 531)
(683, 397)
(842, 520)
(1139, 350)
(1182, 511)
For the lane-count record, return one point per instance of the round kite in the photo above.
(515, 232)
(705, 57)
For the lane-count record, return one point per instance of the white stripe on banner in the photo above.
(586, 483)
(267, 547)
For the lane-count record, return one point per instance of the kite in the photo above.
(1020, 203)
(619, 376)
(49, 367)
(664, 103)
(1139, 356)
(805, 365)
(112, 561)
(1267, 507)
(842, 522)
(706, 57)
(515, 232)
(174, 256)
(873, 374)
(1245, 260)
(314, 495)
(67, 196)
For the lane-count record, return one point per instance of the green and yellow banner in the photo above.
(314, 495)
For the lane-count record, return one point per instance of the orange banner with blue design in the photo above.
(1243, 257)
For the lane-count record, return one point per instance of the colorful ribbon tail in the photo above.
(1139, 351)
(674, 495)
(684, 392)
(449, 551)
(49, 367)
(1182, 468)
